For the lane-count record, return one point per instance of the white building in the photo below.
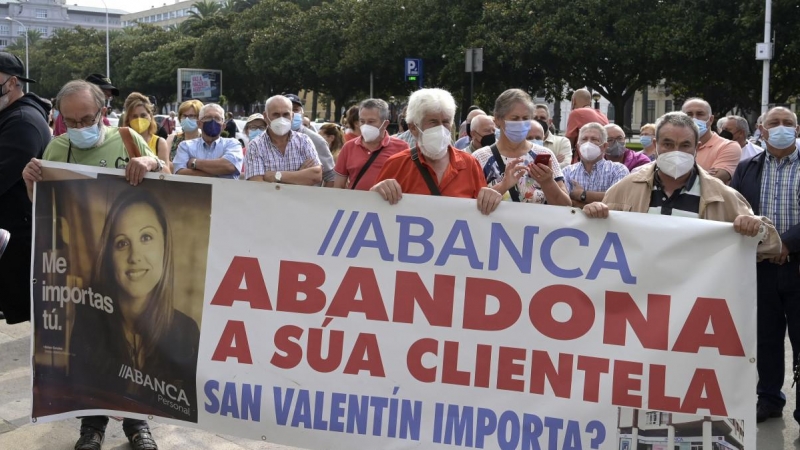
(654, 430)
(46, 16)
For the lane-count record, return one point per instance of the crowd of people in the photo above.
(511, 154)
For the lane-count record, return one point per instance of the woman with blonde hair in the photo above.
(647, 137)
(188, 113)
(139, 116)
(332, 133)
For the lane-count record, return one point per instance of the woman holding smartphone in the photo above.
(518, 169)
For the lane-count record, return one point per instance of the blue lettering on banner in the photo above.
(228, 402)
(415, 246)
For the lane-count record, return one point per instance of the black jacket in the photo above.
(24, 134)
(747, 180)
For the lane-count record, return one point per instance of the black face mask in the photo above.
(468, 129)
(404, 124)
(2, 85)
(544, 126)
(487, 140)
(725, 134)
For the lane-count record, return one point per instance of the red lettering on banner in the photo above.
(704, 381)
(366, 355)
(335, 345)
(414, 360)
(234, 332)
(624, 385)
(483, 361)
(247, 270)
(724, 336)
(409, 290)
(652, 331)
(657, 398)
(286, 340)
(508, 368)
(543, 368)
(541, 312)
(291, 286)
(358, 279)
(450, 372)
(477, 292)
(592, 368)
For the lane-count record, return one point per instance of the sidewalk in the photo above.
(16, 431)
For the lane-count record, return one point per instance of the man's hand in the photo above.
(596, 210)
(309, 163)
(783, 258)
(390, 190)
(31, 174)
(488, 200)
(137, 168)
(747, 225)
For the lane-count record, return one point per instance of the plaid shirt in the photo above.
(780, 187)
(604, 175)
(263, 156)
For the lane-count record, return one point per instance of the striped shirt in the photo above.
(780, 187)
(684, 202)
(604, 174)
(263, 156)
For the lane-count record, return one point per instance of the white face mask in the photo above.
(590, 151)
(434, 142)
(675, 164)
(280, 126)
(370, 133)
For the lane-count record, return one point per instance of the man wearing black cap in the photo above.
(108, 89)
(24, 134)
(324, 153)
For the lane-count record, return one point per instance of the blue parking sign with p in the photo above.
(413, 67)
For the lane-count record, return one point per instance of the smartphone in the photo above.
(542, 158)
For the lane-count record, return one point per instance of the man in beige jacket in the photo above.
(676, 185)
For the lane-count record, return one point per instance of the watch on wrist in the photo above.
(193, 164)
(278, 177)
(583, 196)
(159, 165)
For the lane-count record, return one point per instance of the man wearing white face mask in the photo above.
(362, 158)
(434, 166)
(715, 154)
(770, 181)
(323, 152)
(589, 178)
(676, 186)
(281, 155)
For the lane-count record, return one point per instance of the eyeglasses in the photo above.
(620, 140)
(85, 122)
(212, 119)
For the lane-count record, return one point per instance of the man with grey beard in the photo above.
(24, 134)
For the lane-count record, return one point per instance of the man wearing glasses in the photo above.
(588, 179)
(211, 155)
(617, 151)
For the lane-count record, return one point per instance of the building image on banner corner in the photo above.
(199, 84)
(640, 429)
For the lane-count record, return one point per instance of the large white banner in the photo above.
(329, 319)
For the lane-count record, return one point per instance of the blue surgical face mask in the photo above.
(297, 121)
(189, 124)
(646, 141)
(253, 134)
(702, 127)
(84, 137)
(538, 142)
(517, 130)
(782, 137)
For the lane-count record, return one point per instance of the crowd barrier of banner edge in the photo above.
(338, 321)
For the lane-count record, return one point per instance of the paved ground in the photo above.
(17, 433)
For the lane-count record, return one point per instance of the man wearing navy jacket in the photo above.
(770, 181)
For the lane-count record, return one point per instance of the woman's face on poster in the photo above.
(138, 250)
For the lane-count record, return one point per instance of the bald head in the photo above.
(480, 126)
(581, 98)
(696, 108)
(779, 111)
(536, 132)
(474, 113)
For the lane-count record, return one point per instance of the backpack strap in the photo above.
(426, 175)
(501, 165)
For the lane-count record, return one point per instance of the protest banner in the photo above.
(324, 319)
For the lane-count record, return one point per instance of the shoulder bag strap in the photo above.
(426, 175)
(501, 166)
(130, 146)
(372, 158)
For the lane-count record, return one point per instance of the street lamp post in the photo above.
(596, 97)
(27, 68)
(108, 52)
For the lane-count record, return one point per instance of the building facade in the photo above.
(47, 16)
(641, 429)
(166, 15)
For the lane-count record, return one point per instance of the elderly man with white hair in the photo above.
(434, 166)
(211, 155)
(281, 155)
(715, 154)
(737, 129)
(617, 151)
(466, 137)
(588, 179)
(481, 133)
